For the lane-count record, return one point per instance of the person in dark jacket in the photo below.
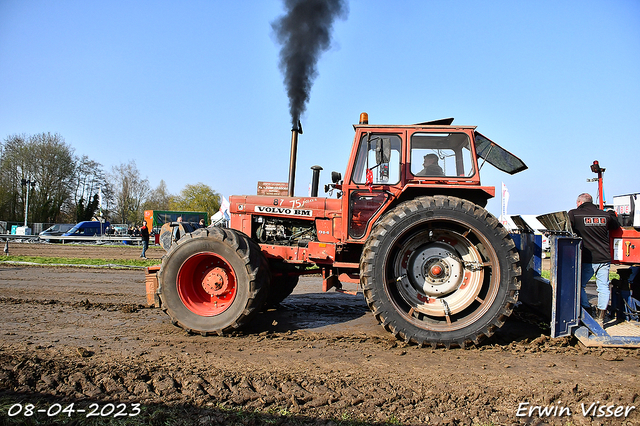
(431, 166)
(593, 226)
(144, 233)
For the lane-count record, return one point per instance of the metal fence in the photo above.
(95, 238)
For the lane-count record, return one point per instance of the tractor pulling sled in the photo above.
(435, 267)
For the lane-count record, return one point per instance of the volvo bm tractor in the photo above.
(407, 222)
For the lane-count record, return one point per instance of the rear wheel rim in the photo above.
(207, 284)
(443, 276)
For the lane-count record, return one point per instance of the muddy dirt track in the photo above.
(86, 336)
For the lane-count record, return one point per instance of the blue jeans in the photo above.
(601, 271)
(145, 246)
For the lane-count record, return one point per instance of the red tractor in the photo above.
(408, 224)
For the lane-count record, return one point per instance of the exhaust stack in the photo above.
(315, 180)
(297, 130)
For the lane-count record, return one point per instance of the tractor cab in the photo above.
(395, 163)
(431, 152)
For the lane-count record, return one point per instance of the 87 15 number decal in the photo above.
(94, 410)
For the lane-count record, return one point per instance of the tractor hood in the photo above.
(497, 156)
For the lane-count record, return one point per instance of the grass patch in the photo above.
(41, 260)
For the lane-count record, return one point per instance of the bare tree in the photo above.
(12, 148)
(130, 191)
(108, 199)
(89, 178)
(159, 198)
(89, 185)
(43, 158)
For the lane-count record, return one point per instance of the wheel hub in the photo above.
(435, 270)
(215, 282)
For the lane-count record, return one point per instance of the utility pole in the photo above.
(28, 183)
(595, 168)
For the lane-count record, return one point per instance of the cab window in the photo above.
(435, 155)
(382, 174)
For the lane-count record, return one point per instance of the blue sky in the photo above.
(192, 92)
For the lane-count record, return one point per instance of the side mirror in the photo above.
(383, 151)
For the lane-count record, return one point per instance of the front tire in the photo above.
(213, 280)
(441, 271)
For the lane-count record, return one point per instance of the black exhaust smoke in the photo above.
(304, 33)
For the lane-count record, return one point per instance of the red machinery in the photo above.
(435, 267)
(625, 242)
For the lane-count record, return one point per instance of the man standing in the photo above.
(593, 226)
(144, 233)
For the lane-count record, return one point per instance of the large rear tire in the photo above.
(440, 271)
(213, 281)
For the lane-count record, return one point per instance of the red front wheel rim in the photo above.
(207, 284)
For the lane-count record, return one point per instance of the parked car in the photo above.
(55, 231)
(87, 228)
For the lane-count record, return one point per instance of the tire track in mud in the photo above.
(84, 304)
